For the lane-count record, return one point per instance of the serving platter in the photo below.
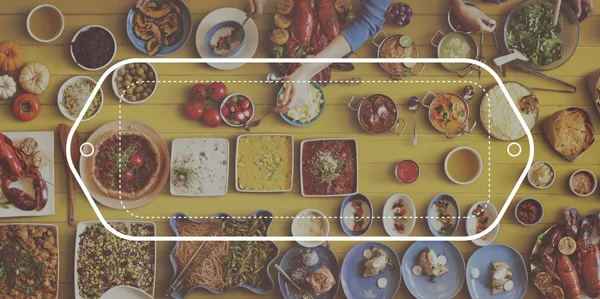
(85, 164)
(354, 192)
(81, 226)
(447, 285)
(326, 258)
(483, 258)
(45, 142)
(268, 285)
(356, 286)
(56, 235)
(183, 146)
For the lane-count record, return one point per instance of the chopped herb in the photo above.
(461, 113)
(4, 205)
(439, 108)
(447, 118)
(329, 166)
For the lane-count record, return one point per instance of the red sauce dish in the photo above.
(407, 171)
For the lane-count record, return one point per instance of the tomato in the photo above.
(239, 116)
(26, 107)
(128, 176)
(217, 91)
(247, 112)
(225, 110)
(245, 104)
(212, 118)
(137, 160)
(194, 109)
(110, 165)
(198, 92)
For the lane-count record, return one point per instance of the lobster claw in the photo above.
(572, 222)
(41, 194)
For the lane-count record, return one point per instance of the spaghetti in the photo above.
(225, 264)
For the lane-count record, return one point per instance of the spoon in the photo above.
(255, 123)
(502, 60)
(413, 105)
(236, 36)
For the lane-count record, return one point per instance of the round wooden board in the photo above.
(126, 125)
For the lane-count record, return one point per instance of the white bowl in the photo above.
(125, 291)
(85, 29)
(524, 200)
(226, 100)
(454, 151)
(61, 92)
(531, 169)
(62, 23)
(324, 224)
(388, 214)
(471, 224)
(116, 90)
(593, 188)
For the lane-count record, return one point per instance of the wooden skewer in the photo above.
(556, 12)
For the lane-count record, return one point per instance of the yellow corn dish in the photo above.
(264, 163)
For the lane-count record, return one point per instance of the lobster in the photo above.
(572, 222)
(304, 22)
(328, 18)
(568, 277)
(14, 166)
(588, 256)
(547, 252)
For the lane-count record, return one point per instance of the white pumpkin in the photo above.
(34, 78)
(8, 87)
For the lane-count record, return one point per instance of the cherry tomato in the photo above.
(128, 176)
(239, 116)
(137, 160)
(26, 107)
(247, 112)
(225, 110)
(245, 104)
(212, 118)
(194, 109)
(217, 91)
(198, 92)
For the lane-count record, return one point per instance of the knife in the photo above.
(499, 53)
(63, 132)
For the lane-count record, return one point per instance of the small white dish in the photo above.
(224, 14)
(303, 216)
(459, 149)
(227, 100)
(86, 28)
(61, 93)
(121, 98)
(388, 215)
(62, 23)
(471, 224)
(531, 171)
(594, 180)
(125, 291)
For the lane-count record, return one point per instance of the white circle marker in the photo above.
(88, 145)
(511, 154)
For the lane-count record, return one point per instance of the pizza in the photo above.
(126, 165)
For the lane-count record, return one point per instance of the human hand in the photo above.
(296, 91)
(583, 5)
(473, 18)
(255, 7)
(141, 3)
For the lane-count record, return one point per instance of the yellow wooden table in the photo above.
(378, 154)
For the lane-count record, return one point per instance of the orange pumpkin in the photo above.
(11, 56)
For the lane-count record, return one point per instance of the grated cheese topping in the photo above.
(503, 123)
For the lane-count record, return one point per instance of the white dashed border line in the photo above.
(485, 94)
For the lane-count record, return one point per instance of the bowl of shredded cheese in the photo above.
(307, 113)
(73, 95)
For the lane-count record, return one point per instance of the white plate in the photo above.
(388, 214)
(228, 14)
(471, 223)
(81, 226)
(324, 139)
(194, 146)
(45, 142)
(61, 92)
(237, 152)
(57, 247)
(125, 292)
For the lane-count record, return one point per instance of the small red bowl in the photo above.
(407, 171)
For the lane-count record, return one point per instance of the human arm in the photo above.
(472, 17)
(583, 5)
(368, 22)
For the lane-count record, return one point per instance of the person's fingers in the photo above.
(258, 10)
(287, 96)
(590, 6)
(251, 8)
(577, 4)
(483, 27)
